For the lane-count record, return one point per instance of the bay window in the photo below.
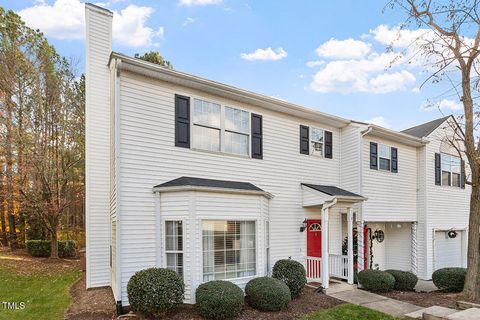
(220, 128)
(451, 170)
(229, 249)
(174, 246)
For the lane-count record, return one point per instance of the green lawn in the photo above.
(347, 312)
(45, 296)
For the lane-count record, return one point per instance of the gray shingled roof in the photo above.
(332, 190)
(210, 183)
(425, 129)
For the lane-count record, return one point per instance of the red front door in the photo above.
(314, 238)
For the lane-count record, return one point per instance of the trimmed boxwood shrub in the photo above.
(43, 248)
(376, 280)
(155, 291)
(404, 281)
(219, 300)
(292, 273)
(449, 279)
(267, 294)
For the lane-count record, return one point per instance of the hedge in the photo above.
(404, 281)
(267, 294)
(155, 291)
(219, 300)
(376, 280)
(43, 248)
(449, 279)
(292, 273)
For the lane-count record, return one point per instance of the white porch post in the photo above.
(324, 264)
(350, 244)
(414, 248)
(360, 242)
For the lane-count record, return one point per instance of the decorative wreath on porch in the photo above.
(452, 234)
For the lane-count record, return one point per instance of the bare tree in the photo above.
(451, 54)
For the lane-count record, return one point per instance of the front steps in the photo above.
(442, 313)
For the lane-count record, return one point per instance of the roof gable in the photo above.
(425, 129)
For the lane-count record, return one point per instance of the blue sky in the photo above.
(327, 55)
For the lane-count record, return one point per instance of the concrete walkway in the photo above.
(377, 302)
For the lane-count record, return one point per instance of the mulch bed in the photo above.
(94, 304)
(309, 301)
(427, 299)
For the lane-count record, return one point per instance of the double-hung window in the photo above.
(229, 249)
(451, 170)
(317, 141)
(384, 157)
(220, 128)
(174, 246)
(237, 126)
(206, 125)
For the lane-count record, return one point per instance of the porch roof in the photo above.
(316, 194)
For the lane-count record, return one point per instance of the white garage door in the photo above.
(448, 251)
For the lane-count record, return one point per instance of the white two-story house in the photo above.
(216, 182)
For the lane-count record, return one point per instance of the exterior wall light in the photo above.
(303, 227)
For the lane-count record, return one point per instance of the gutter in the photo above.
(118, 266)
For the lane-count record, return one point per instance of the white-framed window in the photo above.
(174, 246)
(451, 170)
(206, 125)
(229, 249)
(317, 141)
(384, 157)
(219, 127)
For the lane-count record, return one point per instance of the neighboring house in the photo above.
(216, 182)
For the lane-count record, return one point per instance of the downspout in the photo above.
(118, 274)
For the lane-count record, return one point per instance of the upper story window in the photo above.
(220, 128)
(384, 157)
(317, 141)
(451, 170)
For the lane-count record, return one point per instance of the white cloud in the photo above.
(401, 38)
(343, 49)
(65, 19)
(364, 75)
(190, 3)
(445, 104)
(315, 63)
(379, 121)
(268, 54)
(188, 21)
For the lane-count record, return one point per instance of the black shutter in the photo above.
(373, 155)
(304, 140)
(438, 170)
(257, 136)
(462, 175)
(182, 121)
(328, 145)
(394, 160)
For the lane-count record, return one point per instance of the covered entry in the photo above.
(332, 202)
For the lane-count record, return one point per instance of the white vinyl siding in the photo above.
(149, 157)
(391, 197)
(100, 196)
(441, 204)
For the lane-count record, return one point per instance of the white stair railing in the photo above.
(312, 267)
(338, 266)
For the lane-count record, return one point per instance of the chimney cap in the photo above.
(98, 9)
